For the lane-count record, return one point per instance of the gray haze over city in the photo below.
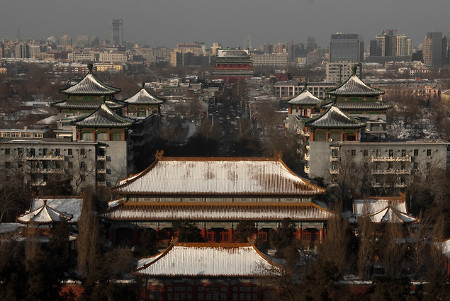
(166, 22)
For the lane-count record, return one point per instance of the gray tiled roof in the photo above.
(143, 97)
(104, 117)
(91, 85)
(304, 98)
(86, 105)
(354, 86)
(333, 118)
(363, 105)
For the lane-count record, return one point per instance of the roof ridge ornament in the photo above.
(90, 67)
(354, 69)
(143, 85)
(159, 155)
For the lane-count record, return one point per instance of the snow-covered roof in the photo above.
(354, 86)
(446, 248)
(214, 211)
(86, 105)
(217, 176)
(9, 227)
(208, 260)
(67, 205)
(383, 209)
(304, 98)
(104, 117)
(143, 97)
(333, 118)
(91, 85)
(43, 215)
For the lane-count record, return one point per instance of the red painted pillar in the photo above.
(203, 232)
(230, 235)
(321, 235)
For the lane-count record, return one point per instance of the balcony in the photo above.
(101, 158)
(307, 169)
(48, 170)
(47, 157)
(392, 172)
(333, 159)
(102, 170)
(392, 159)
(307, 157)
(334, 171)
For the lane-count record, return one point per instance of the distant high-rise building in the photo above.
(346, 47)
(83, 40)
(435, 49)
(117, 32)
(248, 42)
(404, 45)
(22, 50)
(66, 41)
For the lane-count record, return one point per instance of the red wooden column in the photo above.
(321, 237)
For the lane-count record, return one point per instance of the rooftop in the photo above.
(217, 176)
(333, 118)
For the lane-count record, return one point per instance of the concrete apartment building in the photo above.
(337, 72)
(289, 89)
(277, 60)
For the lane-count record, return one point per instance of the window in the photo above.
(87, 137)
(365, 153)
(416, 165)
(70, 165)
(428, 152)
(20, 152)
(116, 137)
(7, 164)
(378, 153)
(416, 152)
(390, 165)
(82, 166)
(69, 152)
(82, 178)
(391, 153)
(102, 136)
(402, 166)
(82, 152)
(7, 151)
(57, 152)
(403, 152)
(334, 153)
(353, 152)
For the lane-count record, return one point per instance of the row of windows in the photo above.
(378, 152)
(31, 152)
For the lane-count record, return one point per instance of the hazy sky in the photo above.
(166, 22)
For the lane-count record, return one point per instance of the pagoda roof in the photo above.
(208, 260)
(104, 117)
(68, 205)
(363, 105)
(86, 105)
(44, 215)
(383, 209)
(91, 85)
(143, 97)
(333, 118)
(354, 86)
(304, 98)
(217, 176)
(215, 211)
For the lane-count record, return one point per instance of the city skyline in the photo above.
(165, 23)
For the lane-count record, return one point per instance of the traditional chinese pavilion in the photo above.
(87, 95)
(142, 104)
(216, 193)
(304, 104)
(357, 99)
(333, 125)
(207, 271)
(232, 65)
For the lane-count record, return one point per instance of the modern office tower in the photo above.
(435, 49)
(404, 45)
(22, 50)
(346, 47)
(117, 32)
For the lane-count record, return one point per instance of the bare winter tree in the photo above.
(88, 234)
(392, 249)
(366, 251)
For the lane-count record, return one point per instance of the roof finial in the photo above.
(104, 99)
(354, 69)
(90, 67)
(143, 85)
(159, 154)
(306, 86)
